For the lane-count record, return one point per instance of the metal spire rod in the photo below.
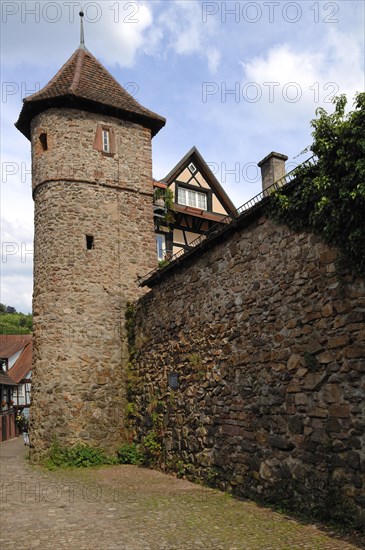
(82, 37)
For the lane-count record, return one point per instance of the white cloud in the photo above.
(17, 290)
(17, 264)
(214, 59)
(180, 27)
(305, 78)
(115, 29)
(122, 33)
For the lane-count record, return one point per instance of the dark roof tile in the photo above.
(12, 343)
(5, 380)
(84, 78)
(22, 365)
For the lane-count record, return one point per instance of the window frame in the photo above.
(105, 138)
(163, 247)
(198, 191)
(105, 143)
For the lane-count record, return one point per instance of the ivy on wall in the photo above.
(329, 198)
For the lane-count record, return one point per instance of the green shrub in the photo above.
(129, 453)
(130, 410)
(83, 457)
(151, 449)
(329, 198)
(15, 323)
(340, 509)
(211, 476)
(78, 456)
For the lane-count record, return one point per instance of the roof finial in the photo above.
(82, 38)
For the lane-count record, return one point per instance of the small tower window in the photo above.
(89, 242)
(43, 141)
(106, 141)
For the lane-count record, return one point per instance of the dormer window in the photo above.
(106, 141)
(189, 197)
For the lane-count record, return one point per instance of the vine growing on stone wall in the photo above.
(329, 198)
(138, 449)
(133, 381)
(130, 325)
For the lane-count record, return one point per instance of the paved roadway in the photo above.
(130, 508)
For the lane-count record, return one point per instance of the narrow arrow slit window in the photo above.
(43, 141)
(89, 242)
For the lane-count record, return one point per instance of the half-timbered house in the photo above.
(197, 201)
(16, 362)
(7, 412)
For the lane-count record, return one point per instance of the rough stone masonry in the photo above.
(268, 343)
(80, 293)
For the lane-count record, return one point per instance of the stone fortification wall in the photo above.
(268, 344)
(80, 294)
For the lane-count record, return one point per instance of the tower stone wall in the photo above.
(86, 198)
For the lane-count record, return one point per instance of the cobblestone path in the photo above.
(130, 508)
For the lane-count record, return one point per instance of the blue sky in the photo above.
(236, 79)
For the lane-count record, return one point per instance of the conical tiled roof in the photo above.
(84, 83)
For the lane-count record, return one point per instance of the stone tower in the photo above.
(94, 233)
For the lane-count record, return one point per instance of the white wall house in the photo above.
(16, 361)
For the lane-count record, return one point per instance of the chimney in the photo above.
(272, 168)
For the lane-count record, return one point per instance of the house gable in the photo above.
(199, 202)
(193, 173)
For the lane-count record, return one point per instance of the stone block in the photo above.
(228, 429)
(353, 460)
(318, 412)
(332, 393)
(279, 442)
(296, 424)
(338, 341)
(301, 399)
(320, 437)
(327, 310)
(339, 411)
(314, 380)
(265, 471)
(333, 425)
(294, 386)
(355, 352)
(294, 362)
(325, 357)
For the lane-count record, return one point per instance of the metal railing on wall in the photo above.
(229, 220)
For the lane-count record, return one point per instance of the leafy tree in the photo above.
(10, 309)
(15, 323)
(329, 197)
(2, 308)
